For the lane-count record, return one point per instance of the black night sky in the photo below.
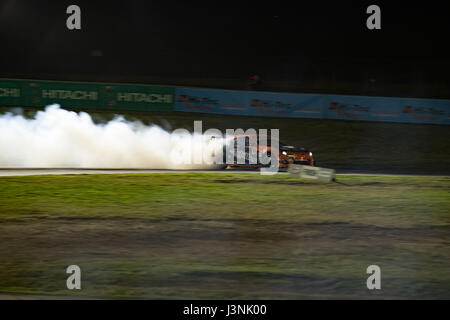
(227, 39)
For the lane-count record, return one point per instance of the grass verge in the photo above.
(225, 236)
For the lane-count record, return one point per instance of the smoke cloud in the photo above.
(57, 138)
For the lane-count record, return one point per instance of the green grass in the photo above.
(225, 236)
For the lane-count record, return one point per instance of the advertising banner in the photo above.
(387, 109)
(11, 93)
(138, 97)
(211, 101)
(67, 94)
(249, 103)
(286, 104)
(39, 93)
(292, 105)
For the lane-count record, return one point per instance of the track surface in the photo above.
(31, 172)
(9, 296)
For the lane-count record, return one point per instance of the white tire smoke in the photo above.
(57, 138)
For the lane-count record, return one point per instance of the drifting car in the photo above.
(288, 154)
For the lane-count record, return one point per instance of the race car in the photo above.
(287, 154)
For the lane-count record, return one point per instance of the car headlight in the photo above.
(310, 154)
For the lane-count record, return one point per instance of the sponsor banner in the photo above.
(11, 93)
(286, 104)
(67, 94)
(388, 109)
(249, 103)
(138, 97)
(408, 110)
(309, 172)
(164, 98)
(39, 93)
(211, 101)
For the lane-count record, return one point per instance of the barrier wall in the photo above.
(37, 93)
(323, 106)
(232, 102)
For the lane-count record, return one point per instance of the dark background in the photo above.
(294, 46)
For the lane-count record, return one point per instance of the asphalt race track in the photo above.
(10, 172)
